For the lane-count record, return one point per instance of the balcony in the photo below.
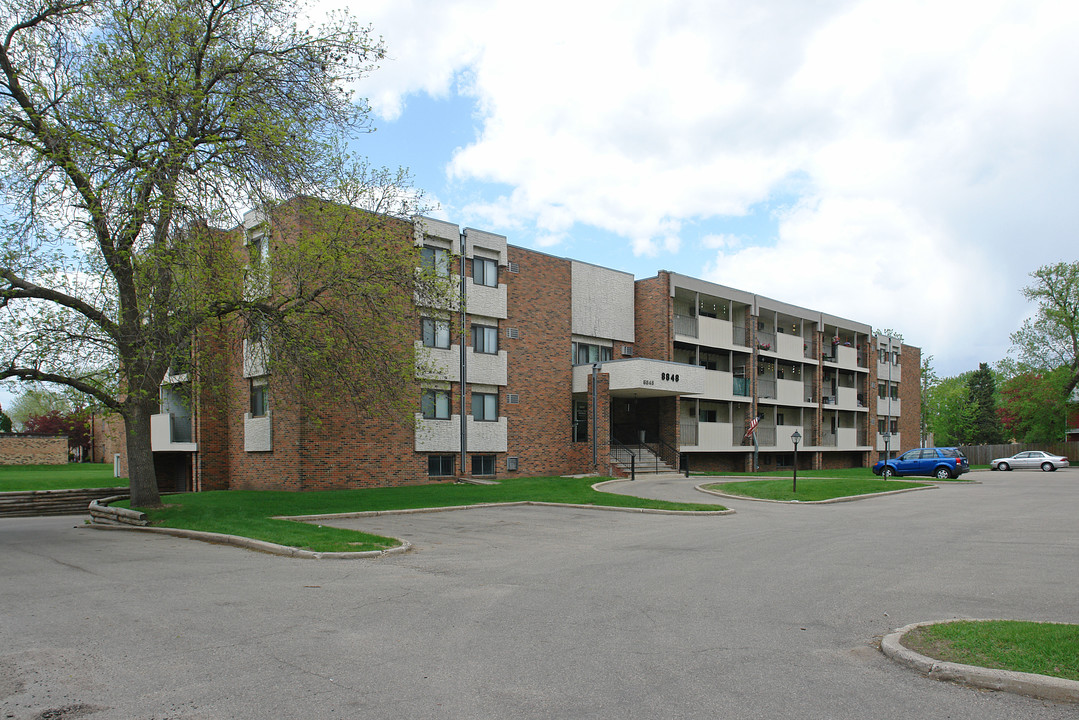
(741, 386)
(685, 325)
(893, 410)
(171, 433)
(445, 435)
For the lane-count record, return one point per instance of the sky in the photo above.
(904, 164)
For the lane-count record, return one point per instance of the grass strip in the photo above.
(1030, 647)
(74, 476)
(836, 473)
(249, 513)
(811, 489)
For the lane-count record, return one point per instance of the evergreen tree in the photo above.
(986, 427)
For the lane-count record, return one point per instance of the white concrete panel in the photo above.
(894, 443)
(790, 392)
(602, 302)
(487, 369)
(645, 377)
(783, 438)
(487, 436)
(715, 332)
(437, 229)
(714, 436)
(718, 385)
(484, 300)
(486, 244)
(791, 347)
(258, 433)
(847, 398)
(438, 363)
(846, 438)
(438, 435)
(896, 407)
(847, 357)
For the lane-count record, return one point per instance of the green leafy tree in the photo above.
(1050, 339)
(929, 381)
(38, 401)
(5, 423)
(1033, 407)
(986, 428)
(130, 134)
(951, 412)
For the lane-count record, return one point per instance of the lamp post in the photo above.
(796, 437)
(887, 444)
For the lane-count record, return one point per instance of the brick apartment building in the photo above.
(567, 368)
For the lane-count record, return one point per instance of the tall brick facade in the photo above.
(561, 325)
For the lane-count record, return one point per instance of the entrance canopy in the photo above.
(641, 377)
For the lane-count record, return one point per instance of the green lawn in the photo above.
(1042, 648)
(811, 488)
(249, 513)
(58, 477)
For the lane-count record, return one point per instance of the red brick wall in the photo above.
(540, 371)
(654, 317)
(910, 398)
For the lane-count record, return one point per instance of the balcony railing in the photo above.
(688, 432)
(810, 349)
(766, 341)
(685, 325)
(828, 440)
(766, 389)
(741, 386)
(740, 336)
(766, 436)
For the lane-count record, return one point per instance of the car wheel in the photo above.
(1003, 466)
(887, 473)
(943, 473)
(1047, 467)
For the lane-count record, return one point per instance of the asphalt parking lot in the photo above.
(530, 612)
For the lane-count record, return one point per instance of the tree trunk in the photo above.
(140, 456)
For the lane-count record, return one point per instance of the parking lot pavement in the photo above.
(535, 612)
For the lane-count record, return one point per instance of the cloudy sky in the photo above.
(905, 164)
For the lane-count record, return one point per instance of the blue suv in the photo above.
(941, 463)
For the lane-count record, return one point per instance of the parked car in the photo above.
(941, 463)
(1030, 459)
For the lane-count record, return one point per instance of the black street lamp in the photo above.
(796, 437)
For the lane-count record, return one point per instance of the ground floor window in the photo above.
(483, 464)
(440, 465)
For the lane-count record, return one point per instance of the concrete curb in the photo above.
(1044, 687)
(850, 498)
(259, 545)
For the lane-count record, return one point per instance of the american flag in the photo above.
(752, 426)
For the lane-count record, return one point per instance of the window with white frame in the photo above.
(435, 404)
(260, 396)
(485, 406)
(485, 339)
(436, 332)
(485, 271)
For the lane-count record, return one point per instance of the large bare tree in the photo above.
(131, 133)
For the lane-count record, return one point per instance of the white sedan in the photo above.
(1030, 459)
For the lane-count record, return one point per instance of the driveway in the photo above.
(534, 612)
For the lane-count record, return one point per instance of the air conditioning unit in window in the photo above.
(513, 398)
(627, 350)
(512, 333)
(514, 267)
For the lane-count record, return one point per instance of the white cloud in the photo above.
(935, 143)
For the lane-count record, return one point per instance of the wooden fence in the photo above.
(982, 454)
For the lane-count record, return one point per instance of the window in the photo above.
(894, 425)
(585, 353)
(895, 357)
(485, 406)
(435, 259)
(709, 416)
(779, 419)
(436, 404)
(485, 339)
(440, 465)
(436, 333)
(257, 249)
(260, 396)
(485, 272)
(895, 391)
(483, 464)
(882, 390)
(881, 424)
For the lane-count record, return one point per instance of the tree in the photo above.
(950, 411)
(54, 422)
(130, 132)
(929, 380)
(1050, 339)
(38, 401)
(1033, 407)
(5, 422)
(985, 423)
